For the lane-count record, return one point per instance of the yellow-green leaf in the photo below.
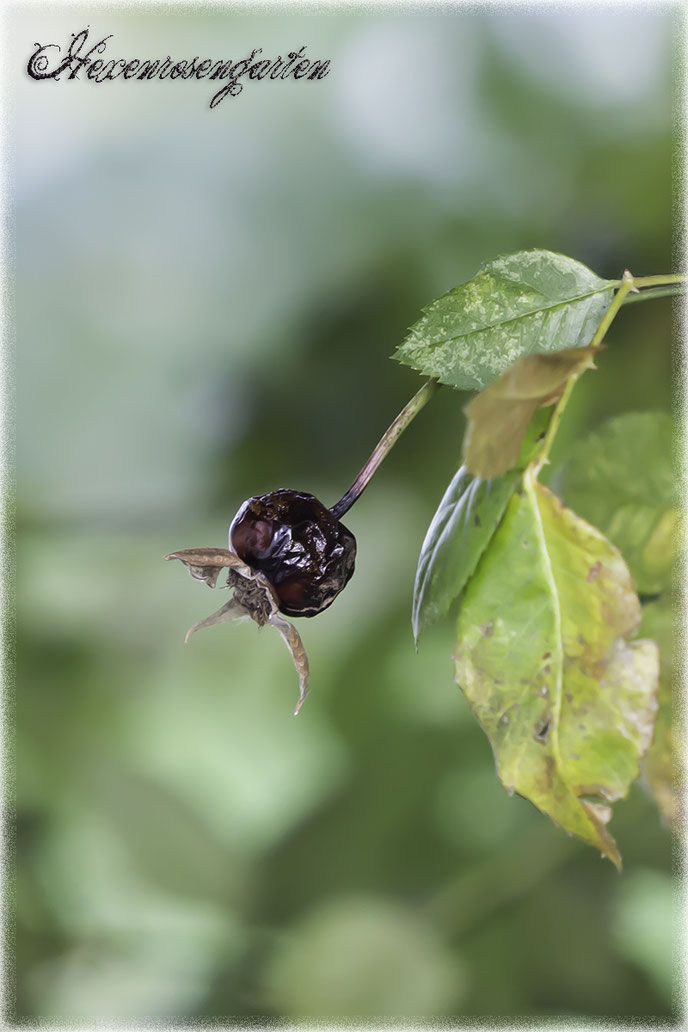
(567, 703)
(499, 416)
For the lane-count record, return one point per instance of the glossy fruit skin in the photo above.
(303, 550)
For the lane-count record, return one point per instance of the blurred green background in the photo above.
(205, 303)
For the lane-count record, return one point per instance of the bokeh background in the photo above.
(205, 302)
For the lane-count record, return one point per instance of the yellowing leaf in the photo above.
(499, 416)
(567, 703)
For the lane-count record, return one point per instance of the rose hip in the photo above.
(296, 542)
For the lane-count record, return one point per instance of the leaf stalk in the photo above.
(628, 283)
(659, 281)
(677, 290)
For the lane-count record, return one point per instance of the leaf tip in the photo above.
(615, 856)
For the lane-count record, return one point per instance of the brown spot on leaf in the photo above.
(547, 669)
(476, 520)
(487, 630)
(549, 771)
(594, 571)
(546, 655)
(542, 729)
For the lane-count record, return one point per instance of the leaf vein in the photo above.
(557, 306)
(529, 485)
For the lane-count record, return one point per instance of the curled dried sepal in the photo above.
(298, 654)
(205, 563)
(229, 611)
(253, 596)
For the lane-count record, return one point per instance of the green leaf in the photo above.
(522, 304)
(499, 416)
(621, 479)
(662, 762)
(567, 704)
(461, 530)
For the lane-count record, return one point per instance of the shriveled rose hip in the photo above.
(299, 545)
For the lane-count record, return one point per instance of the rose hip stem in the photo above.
(386, 443)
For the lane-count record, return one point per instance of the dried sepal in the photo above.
(298, 654)
(231, 610)
(253, 596)
(205, 563)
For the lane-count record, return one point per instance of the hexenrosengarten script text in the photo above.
(79, 58)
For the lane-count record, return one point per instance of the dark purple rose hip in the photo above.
(303, 550)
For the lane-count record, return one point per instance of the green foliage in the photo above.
(364, 955)
(621, 479)
(500, 415)
(461, 530)
(645, 909)
(568, 706)
(532, 302)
